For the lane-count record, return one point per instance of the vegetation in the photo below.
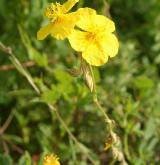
(128, 88)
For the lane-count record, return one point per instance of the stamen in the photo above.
(53, 10)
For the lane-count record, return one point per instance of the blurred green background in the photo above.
(128, 87)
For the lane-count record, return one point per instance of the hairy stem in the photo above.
(117, 153)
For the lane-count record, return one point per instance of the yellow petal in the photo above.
(104, 23)
(78, 40)
(64, 25)
(44, 31)
(91, 22)
(109, 44)
(68, 5)
(86, 20)
(51, 159)
(95, 55)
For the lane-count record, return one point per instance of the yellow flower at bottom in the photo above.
(107, 146)
(95, 39)
(51, 160)
(61, 23)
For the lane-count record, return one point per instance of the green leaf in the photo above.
(25, 159)
(22, 92)
(5, 160)
(150, 129)
(22, 120)
(62, 76)
(51, 96)
(96, 75)
(36, 56)
(143, 82)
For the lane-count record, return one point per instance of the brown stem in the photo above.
(7, 123)
(12, 67)
(26, 64)
(14, 146)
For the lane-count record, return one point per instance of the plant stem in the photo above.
(126, 146)
(7, 123)
(95, 99)
(114, 138)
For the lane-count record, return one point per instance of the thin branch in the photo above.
(5, 147)
(7, 123)
(19, 66)
(12, 67)
(5, 49)
(14, 146)
(26, 64)
(95, 98)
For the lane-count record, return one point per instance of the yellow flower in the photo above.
(94, 38)
(107, 146)
(61, 24)
(51, 160)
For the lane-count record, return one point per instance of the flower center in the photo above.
(91, 36)
(53, 11)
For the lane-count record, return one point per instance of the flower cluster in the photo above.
(88, 33)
